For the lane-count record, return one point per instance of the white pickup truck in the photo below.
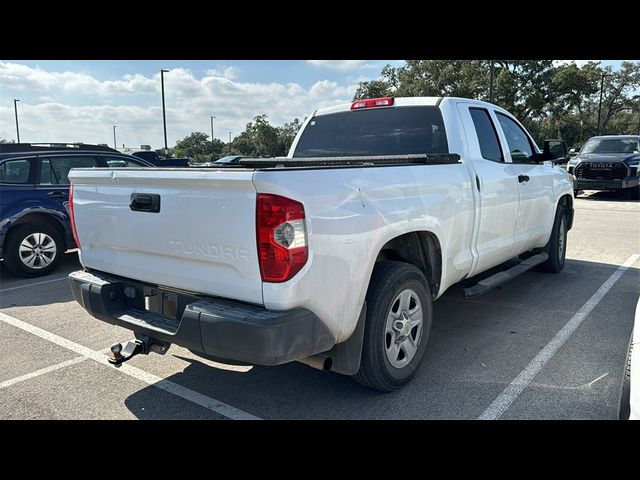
(332, 255)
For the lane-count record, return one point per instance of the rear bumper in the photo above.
(587, 184)
(222, 328)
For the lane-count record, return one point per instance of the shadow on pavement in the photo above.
(608, 196)
(476, 347)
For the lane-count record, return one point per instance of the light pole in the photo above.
(164, 115)
(491, 82)
(229, 143)
(212, 145)
(15, 107)
(115, 145)
(602, 75)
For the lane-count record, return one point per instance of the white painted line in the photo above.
(33, 284)
(515, 388)
(42, 371)
(149, 378)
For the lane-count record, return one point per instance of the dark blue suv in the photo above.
(34, 192)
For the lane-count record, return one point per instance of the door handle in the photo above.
(523, 178)
(59, 195)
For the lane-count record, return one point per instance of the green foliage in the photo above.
(558, 101)
(199, 147)
(261, 139)
(2, 140)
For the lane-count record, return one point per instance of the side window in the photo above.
(487, 136)
(47, 177)
(519, 145)
(59, 167)
(122, 162)
(15, 171)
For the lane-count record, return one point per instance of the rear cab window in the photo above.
(487, 135)
(376, 131)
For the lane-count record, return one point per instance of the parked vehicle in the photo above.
(608, 162)
(34, 223)
(155, 159)
(333, 255)
(630, 398)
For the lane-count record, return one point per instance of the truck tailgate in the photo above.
(202, 239)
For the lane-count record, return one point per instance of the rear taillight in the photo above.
(73, 218)
(372, 102)
(282, 237)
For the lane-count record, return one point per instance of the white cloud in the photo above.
(229, 72)
(339, 64)
(70, 107)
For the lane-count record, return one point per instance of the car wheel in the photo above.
(625, 397)
(557, 246)
(397, 327)
(33, 250)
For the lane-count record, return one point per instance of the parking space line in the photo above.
(515, 388)
(33, 284)
(149, 378)
(42, 371)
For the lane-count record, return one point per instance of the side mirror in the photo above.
(573, 152)
(555, 150)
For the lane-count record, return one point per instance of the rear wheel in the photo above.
(557, 246)
(397, 327)
(33, 250)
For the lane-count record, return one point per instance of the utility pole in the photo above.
(229, 143)
(491, 82)
(602, 75)
(212, 145)
(164, 115)
(15, 107)
(115, 145)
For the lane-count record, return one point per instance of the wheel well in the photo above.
(40, 218)
(567, 202)
(421, 249)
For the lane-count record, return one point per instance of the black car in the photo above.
(608, 162)
(35, 228)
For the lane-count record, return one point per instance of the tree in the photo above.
(286, 134)
(198, 146)
(2, 141)
(552, 101)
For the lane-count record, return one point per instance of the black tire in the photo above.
(575, 193)
(12, 250)
(557, 252)
(634, 193)
(388, 282)
(625, 396)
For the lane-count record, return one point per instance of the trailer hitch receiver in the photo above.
(142, 344)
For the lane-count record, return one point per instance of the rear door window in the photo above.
(487, 136)
(55, 170)
(375, 131)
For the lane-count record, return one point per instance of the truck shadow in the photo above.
(476, 347)
(611, 196)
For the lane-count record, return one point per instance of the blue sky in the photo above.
(75, 100)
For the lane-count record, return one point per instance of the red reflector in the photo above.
(72, 217)
(372, 102)
(277, 262)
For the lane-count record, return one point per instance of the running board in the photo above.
(483, 286)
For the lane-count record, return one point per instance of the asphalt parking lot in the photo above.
(543, 346)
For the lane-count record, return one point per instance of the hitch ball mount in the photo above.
(142, 344)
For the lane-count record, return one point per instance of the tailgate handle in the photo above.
(145, 202)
